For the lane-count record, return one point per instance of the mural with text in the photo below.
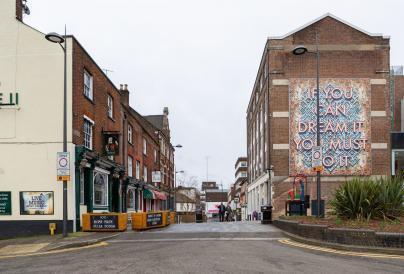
(344, 126)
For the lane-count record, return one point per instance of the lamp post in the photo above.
(58, 39)
(300, 50)
(175, 181)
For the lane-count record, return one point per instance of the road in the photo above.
(200, 248)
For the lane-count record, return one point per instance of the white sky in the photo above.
(199, 58)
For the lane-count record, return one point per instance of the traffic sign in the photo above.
(63, 166)
(316, 157)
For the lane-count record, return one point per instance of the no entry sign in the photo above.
(63, 166)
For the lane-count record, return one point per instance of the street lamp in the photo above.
(300, 50)
(178, 146)
(175, 188)
(58, 39)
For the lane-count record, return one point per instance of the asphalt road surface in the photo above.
(200, 248)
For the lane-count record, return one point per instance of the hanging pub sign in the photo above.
(36, 203)
(111, 143)
(5, 203)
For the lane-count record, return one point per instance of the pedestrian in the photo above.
(228, 213)
(222, 210)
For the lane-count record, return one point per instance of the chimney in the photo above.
(124, 94)
(165, 111)
(18, 10)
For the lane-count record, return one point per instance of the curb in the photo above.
(352, 248)
(82, 243)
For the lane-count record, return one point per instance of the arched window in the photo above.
(100, 189)
(131, 198)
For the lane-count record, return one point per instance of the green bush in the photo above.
(370, 199)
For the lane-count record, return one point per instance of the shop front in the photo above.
(98, 184)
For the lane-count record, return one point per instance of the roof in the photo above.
(321, 18)
(155, 120)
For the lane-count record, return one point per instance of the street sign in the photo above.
(156, 177)
(316, 157)
(63, 166)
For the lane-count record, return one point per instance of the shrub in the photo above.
(369, 199)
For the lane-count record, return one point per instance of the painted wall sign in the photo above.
(344, 126)
(154, 219)
(36, 203)
(5, 203)
(9, 99)
(104, 222)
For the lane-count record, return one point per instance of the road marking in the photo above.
(335, 251)
(194, 239)
(55, 251)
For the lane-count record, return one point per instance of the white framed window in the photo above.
(137, 170)
(130, 166)
(110, 105)
(130, 134)
(88, 133)
(145, 173)
(144, 146)
(100, 189)
(155, 156)
(88, 85)
(82, 199)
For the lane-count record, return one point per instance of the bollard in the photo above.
(52, 228)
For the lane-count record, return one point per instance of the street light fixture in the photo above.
(58, 39)
(300, 50)
(178, 146)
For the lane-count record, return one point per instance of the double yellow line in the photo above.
(54, 251)
(349, 253)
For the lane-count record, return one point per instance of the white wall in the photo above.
(31, 134)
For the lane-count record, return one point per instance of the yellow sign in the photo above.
(318, 168)
(64, 178)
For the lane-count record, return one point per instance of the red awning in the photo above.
(159, 195)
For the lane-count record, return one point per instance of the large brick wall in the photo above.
(345, 52)
(95, 109)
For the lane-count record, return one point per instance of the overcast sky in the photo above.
(199, 58)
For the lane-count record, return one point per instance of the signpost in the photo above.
(63, 166)
(5, 203)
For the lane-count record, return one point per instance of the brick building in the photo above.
(354, 109)
(114, 151)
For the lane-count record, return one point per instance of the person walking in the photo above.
(228, 213)
(222, 210)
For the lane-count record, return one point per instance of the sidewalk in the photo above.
(43, 243)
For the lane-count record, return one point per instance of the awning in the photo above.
(148, 194)
(159, 195)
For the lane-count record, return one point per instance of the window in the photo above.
(243, 164)
(88, 85)
(131, 199)
(137, 170)
(110, 104)
(88, 133)
(82, 201)
(144, 146)
(155, 156)
(130, 166)
(100, 189)
(130, 130)
(145, 173)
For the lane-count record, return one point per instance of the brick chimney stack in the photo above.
(18, 10)
(124, 94)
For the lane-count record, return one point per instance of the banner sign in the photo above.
(344, 126)
(5, 203)
(104, 222)
(154, 219)
(36, 203)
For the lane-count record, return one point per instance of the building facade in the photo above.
(354, 110)
(115, 153)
